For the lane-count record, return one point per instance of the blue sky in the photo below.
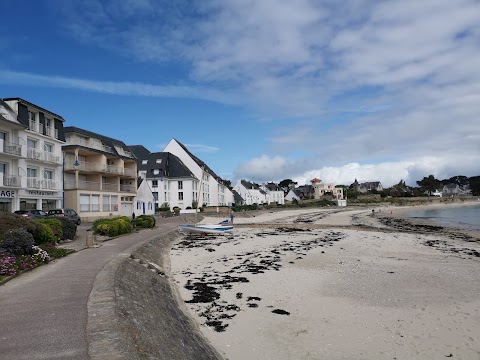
(261, 90)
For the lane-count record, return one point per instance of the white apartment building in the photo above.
(214, 191)
(172, 183)
(31, 161)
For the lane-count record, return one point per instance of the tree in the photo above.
(285, 184)
(429, 184)
(474, 182)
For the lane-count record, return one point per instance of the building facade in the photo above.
(31, 162)
(322, 189)
(172, 183)
(251, 193)
(214, 191)
(100, 175)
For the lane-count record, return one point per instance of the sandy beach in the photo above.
(333, 283)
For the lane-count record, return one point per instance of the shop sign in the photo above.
(7, 193)
(41, 193)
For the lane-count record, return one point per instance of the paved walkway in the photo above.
(43, 313)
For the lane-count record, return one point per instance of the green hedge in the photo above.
(145, 221)
(112, 226)
(55, 225)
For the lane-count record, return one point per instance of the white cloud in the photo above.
(394, 84)
(116, 88)
(201, 148)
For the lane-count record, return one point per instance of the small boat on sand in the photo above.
(189, 229)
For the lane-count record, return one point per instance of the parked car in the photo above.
(69, 214)
(32, 214)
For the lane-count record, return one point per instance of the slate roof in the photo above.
(107, 141)
(35, 106)
(237, 198)
(272, 187)
(201, 163)
(13, 114)
(170, 165)
(249, 185)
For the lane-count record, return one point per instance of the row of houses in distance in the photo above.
(46, 165)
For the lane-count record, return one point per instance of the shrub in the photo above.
(9, 221)
(55, 225)
(18, 242)
(112, 227)
(42, 233)
(69, 229)
(145, 221)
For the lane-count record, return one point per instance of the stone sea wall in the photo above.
(148, 319)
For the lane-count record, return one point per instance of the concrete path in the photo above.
(43, 313)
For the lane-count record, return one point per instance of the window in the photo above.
(180, 185)
(31, 144)
(84, 203)
(144, 162)
(3, 135)
(48, 147)
(32, 121)
(31, 172)
(114, 201)
(138, 205)
(154, 183)
(106, 203)
(48, 125)
(180, 195)
(155, 195)
(95, 200)
(159, 161)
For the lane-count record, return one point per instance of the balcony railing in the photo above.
(44, 156)
(44, 184)
(95, 167)
(127, 188)
(12, 180)
(89, 144)
(83, 185)
(129, 172)
(12, 148)
(96, 186)
(109, 187)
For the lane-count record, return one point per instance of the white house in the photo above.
(274, 193)
(292, 195)
(215, 191)
(31, 140)
(144, 201)
(251, 193)
(171, 182)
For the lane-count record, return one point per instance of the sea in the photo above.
(467, 217)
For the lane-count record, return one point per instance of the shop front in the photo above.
(7, 199)
(39, 199)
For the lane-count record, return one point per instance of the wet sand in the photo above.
(333, 284)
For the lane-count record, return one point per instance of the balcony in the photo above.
(89, 144)
(11, 180)
(96, 186)
(12, 148)
(42, 184)
(99, 168)
(127, 188)
(43, 156)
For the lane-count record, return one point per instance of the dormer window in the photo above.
(159, 161)
(144, 162)
(31, 121)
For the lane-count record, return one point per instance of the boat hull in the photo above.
(187, 229)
